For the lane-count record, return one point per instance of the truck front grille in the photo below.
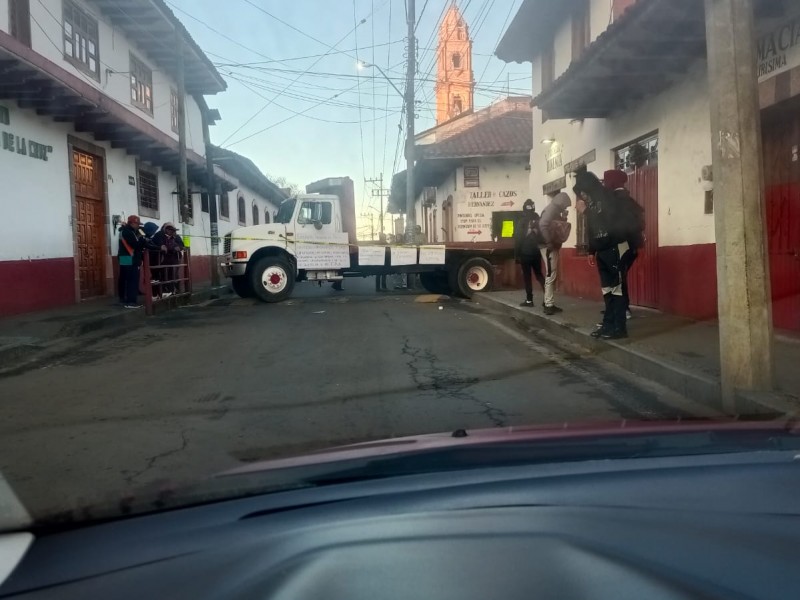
(226, 247)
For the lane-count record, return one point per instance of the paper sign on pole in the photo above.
(371, 256)
(404, 256)
(431, 255)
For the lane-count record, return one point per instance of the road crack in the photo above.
(429, 375)
(151, 462)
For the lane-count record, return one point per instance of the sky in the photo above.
(297, 104)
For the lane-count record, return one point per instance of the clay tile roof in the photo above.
(510, 132)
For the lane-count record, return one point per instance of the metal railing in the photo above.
(166, 284)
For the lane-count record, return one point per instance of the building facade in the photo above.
(89, 135)
(624, 84)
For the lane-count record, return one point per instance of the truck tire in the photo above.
(272, 279)
(474, 275)
(241, 285)
(435, 282)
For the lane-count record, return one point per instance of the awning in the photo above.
(532, 28)
(155, 26)
(39, 84)
(645, 51)
(427, 173)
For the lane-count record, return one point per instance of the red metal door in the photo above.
(643, 278)
(781, 133)
(90, 220)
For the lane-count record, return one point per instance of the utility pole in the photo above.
(743, 284)
(183, 176)
(212, 187)
(411, 220)
(371, 224)
(380, 192)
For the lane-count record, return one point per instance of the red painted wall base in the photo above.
(687, 278)
(31, 285)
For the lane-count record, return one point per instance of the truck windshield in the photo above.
(286, 211)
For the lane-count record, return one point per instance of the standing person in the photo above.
(632, 223)
(380, 279)
(527, 239)
(607, 247)
(555, 229)
(168, 238)
(132, 244)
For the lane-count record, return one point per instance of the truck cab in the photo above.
(306, 241)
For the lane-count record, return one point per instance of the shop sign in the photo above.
(475, 212)
(779, 50)
(581, 161)
(554, 157)
(11, 142)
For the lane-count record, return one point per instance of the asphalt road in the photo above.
(208, 388)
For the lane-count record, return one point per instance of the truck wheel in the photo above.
(474, 275)
(435, 282)
(272, 279)
(241, 286)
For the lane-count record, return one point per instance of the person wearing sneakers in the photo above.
(527, 239)
(555, 229)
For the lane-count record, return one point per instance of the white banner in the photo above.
(330, 251)
(371, 256)
(431, 255)
(404, 256)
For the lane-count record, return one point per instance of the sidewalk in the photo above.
(678, 353)
(25, 337)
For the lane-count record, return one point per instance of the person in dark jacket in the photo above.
(527, 238)
(633, 225)
(607, 247)
(168, 239)
(132, 244)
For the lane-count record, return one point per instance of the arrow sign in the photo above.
(509, 203)
(474, 232)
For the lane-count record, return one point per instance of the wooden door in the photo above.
(90, 217)
(781, 135)
(643, 279)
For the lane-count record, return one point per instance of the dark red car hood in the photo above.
(566, 431)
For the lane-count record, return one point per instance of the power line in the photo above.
(360, 118)
(386, 123)
(502, 29)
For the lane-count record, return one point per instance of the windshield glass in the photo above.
(494, 216)
(286, 211)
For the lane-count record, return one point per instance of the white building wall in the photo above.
(503, 181)
(114, 53)
(35, 201)
(681, 116)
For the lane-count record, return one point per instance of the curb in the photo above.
(686, 383)
(20, 357)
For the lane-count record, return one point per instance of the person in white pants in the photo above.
(555, 211)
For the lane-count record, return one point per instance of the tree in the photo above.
(282, 182)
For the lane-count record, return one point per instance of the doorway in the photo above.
(90, 222)
(781, 141)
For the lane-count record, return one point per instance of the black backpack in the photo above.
(629, 221)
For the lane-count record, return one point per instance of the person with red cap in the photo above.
(632, 224)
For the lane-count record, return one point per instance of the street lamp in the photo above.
(408, 98)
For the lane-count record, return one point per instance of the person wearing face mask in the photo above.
(527, 239)
(555, 230)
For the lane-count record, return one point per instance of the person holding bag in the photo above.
(132, 244)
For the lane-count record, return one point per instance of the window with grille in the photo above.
(81, 39)
(241, 211)
(141, 85)
(637, 154)
(255, 213)
(173, 109)
(224, 206)
(147, 180)
(19, 17)
(581, 32)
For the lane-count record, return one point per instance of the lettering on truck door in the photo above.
(319, 245)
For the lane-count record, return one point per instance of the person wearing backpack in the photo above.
(555, 230)
(632, 225)
(608, 245)
(527, 239)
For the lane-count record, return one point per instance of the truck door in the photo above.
(315, 220)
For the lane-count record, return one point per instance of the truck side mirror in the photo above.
(317, 224)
